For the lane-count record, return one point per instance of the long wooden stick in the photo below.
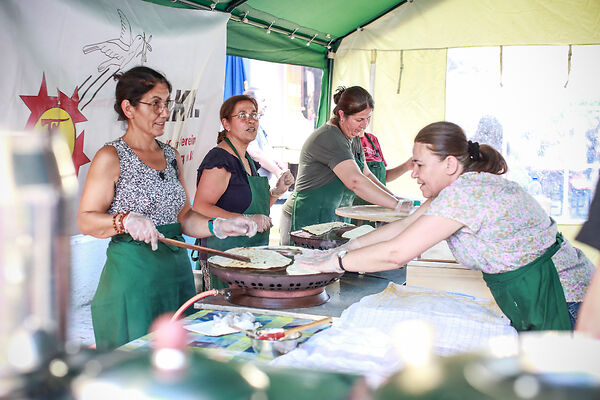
(323, 321)
(202, 249)
(286, 333)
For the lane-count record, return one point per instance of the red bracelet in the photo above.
(122, 221)
(117, 221)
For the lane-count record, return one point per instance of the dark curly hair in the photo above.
(134, 84)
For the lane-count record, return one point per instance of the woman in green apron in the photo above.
(228, 184)
(332, 169)
(134, 193)
(491, 224)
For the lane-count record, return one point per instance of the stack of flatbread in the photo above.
(259, 259)
(321, 229)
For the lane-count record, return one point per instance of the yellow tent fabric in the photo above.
(408, 48)
(434, 24)
(410, 101)
(409, 92)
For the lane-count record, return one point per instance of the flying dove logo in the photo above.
(58, 115)
(117, 54)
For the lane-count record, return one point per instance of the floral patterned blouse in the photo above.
(155, 194)
(505, 228)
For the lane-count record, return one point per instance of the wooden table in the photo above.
(371, 213)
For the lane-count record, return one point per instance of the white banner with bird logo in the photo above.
(59, 58)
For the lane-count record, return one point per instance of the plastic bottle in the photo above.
(535, 187)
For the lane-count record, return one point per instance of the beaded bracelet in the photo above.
(210, 226)
(118, 220)
(122, 221)
(114, 221)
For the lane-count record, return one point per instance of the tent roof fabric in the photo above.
(326, 22)
(335, 18)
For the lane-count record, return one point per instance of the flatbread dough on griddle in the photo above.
(297, 270)
(357, 232)
(259, 259)
(321, 229)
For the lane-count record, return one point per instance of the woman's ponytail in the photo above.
(448, 139)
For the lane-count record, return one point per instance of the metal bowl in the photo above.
(274, 348)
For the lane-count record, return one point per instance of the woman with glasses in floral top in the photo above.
(228, 184)
(135, 194)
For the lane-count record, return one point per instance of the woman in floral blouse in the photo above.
(491, 224)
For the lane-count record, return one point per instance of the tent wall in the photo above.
(408, 47)
(427, 24)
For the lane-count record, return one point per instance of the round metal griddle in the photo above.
(274, 288)
(328, 240)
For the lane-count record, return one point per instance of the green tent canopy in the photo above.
(292, 32)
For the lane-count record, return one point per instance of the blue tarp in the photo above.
(235, 76)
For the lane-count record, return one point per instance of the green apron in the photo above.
(260, 204)
(378, 169)
(137, 285)
(318, 205)
(532, 296)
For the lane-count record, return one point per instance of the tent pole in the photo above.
(325, 98)
(255, 23)
(272, 28)
(329, 82)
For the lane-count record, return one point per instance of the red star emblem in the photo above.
(58, 114)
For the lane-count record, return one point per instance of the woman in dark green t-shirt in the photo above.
(332, 168)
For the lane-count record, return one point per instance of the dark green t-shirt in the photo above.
(323, 150)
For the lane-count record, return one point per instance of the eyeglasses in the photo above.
(243, 115)
(159, 106)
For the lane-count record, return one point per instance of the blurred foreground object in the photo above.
(538, 365)
(171, 371)
(36, 204)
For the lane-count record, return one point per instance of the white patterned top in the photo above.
(155, 194)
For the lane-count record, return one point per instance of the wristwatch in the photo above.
(340, 255)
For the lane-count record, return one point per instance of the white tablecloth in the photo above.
(365, 338)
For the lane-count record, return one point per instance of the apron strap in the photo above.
(250, 160)
(259, 204)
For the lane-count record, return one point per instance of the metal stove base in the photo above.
(279, 303)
